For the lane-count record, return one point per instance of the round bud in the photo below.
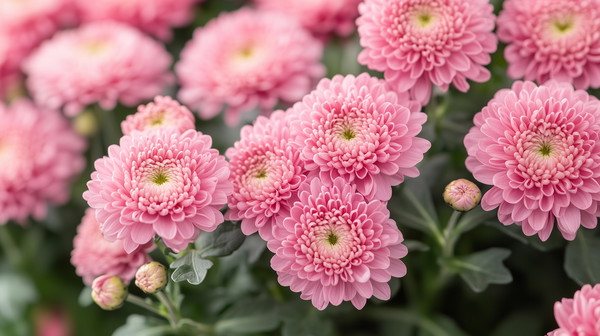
(151, 277)
(462, 195)
(109, 292)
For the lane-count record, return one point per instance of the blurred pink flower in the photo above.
(10, 58)
(166, 183)
(337, 246)
(417, 43)
(267, 58)
(155, 17)
(579, 316)
(266, 171)
(555, 39)
(356, 128)
(102, 62)
(321, 17)
(93, 255)
(163, 112)
(53, 321)
(538, 148)
(40, 155)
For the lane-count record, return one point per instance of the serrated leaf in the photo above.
(191, 268)
(227, 238)
(249, 316)
(481, 269)
(414, 206)
(138, 325)
(581, 259)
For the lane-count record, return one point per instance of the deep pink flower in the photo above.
(538, 148)
(417, 43)
(155, 17)
(102, 62)
(552, 39)
(166, 183)
(266, 171)
(163, 112)
(40, 155)
(579, 316)
(321, 17)
(356, 128)
(94, 256)
(267, 58)
(337, 246)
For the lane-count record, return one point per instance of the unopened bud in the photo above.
(462, 195)
(151, 277)
(109, 292)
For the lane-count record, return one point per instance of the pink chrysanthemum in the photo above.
(266, 171)
(538, 148)
(552, 39)
(164, 112)
(579, 316)
(356, 128)
(40, 155)
(321, 17)
(102, 62)
(267, 58)
(155, 17)
(337, 246)
(417, 43)
(166, 183)
(94, 256)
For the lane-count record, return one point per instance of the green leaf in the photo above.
(248, 316)
(414, 207)
(473, 218)
(191, 267)
(481, 269)
(138, 325)
(85, 297)
(581, 259)
(17, 292)
(415, 245)
(311, 325)
(555, 241)
(448, 325)
(227, 238)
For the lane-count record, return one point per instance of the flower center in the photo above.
(562, 27)
(332, 239)
(160, 178)
(424, 19)
(545, 149)
(157, 120)
(261, 174)
(348, 134)
(93, 47)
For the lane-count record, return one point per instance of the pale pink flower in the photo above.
(53, 321)
(166, 183)
(102, 62)
(267, 58)
(40, 155)
(579, 316)
(417, 43)
(552, 39)
(539, 149)
(155, 17)
(266, 171)
(462, 195)
(356, 128)
(164, 112)
(93, 255)
(321, 17)
(337, 246)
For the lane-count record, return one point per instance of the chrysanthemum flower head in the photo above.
(417, 43)
(166, 183)
(580, 315)
(101, 62)
(358, 129)
(40, 155)
(267, 58)
(538, 146)
(164, 112)
(266, 171)
(337, 246)
(94, 256)
(321, 17)
(552, 39)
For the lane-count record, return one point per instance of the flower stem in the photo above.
(138, 301)
(201, 327)
(172, 316)
(449, 240)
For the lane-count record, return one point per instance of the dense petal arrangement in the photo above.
(40, 155)
(337, 246)
(102, 62)
(166, 183)
(94, 256)
(538, 148)
(266, 171)
(164, 112)
(321, 17)
(552, 39)
(580, 315)
(358, 129)
(417, 43)
(267, 58)
(155, 17)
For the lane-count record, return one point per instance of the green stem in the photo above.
(138, 301)
(449, 239)
(10, 247)
(201, 327)
(172, 316)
